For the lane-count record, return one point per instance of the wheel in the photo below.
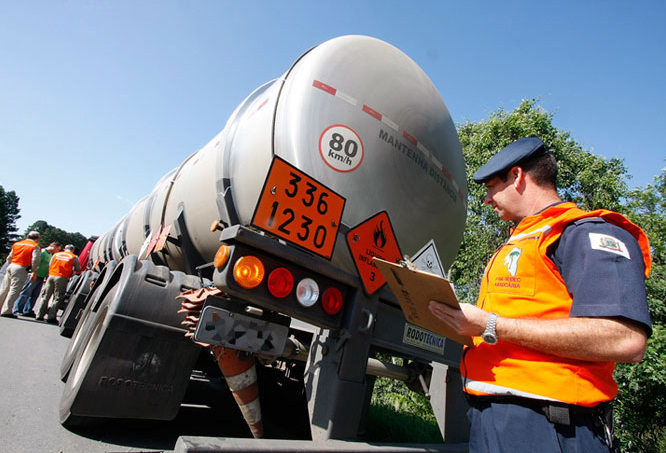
(77, 300)
(79, 370)
(82, 330)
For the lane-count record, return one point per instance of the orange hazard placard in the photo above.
(299, 209)
(373, 238)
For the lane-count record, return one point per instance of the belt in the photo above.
(556, 412)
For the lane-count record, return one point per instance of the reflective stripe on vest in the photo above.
(62, 264)
(22, 252)
(522, 282)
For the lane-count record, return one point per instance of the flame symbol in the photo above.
(378, 236)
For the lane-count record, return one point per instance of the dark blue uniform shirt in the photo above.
(604, 281)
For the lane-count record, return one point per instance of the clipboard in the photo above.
(414, 289)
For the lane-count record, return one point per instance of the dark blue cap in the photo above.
(509, 156)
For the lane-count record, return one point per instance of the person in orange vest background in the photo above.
(560, 303)
(61, 267)
(23, 256)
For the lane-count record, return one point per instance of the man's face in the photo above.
(501, 196)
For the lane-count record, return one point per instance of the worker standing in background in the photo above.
(61, 268)
(560, 303)
(32, 287)
(24, 255)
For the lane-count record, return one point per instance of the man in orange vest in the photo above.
(560, 303)
(61, 267)
(24, 255)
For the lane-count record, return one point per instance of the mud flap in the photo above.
(136, 362)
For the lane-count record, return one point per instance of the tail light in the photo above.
(331, 300)
(249, 272)
(279, 286)
(280, 282)
(307, 292)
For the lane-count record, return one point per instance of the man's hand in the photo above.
(33, 277)
(469, 320)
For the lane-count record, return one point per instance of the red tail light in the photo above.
(280, 282)
(331, 301)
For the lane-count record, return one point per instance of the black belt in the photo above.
(556, 412)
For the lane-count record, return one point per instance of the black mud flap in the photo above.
(136, 362)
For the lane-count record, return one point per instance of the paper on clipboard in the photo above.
(414, 289)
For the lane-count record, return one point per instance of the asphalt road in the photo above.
(30, 396)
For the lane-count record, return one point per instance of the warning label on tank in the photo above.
(341, 148)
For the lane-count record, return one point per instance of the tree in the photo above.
(641, 407)
(49, 233)
(592, 182)
(9, 214)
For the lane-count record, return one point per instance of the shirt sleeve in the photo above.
(36, 254)
(603, 269)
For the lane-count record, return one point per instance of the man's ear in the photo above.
(518, 175)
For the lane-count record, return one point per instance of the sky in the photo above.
(99, 99)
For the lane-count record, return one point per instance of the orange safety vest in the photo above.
(522, 282)
(62, 264)
(22, 252)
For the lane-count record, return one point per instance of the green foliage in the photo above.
(49, 233)
(9, 214)
(640, 408)
(641, 401)
(398, 414)
(647, 208)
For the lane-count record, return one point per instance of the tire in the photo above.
(80, 368)
(82, 331)
(133, 360)
(77, 300)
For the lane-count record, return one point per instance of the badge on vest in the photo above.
(608, 244)
(511, 260)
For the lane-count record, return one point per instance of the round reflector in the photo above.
(280, 282)
(249, 272)
(307, 292)
(221, 257)
(331, 300)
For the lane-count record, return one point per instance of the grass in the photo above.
(398, 414)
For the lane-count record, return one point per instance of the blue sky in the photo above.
(98, 99)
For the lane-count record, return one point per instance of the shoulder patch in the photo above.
(608, 244)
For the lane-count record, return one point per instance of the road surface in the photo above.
(30, 395)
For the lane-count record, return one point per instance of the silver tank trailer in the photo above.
(407, 159)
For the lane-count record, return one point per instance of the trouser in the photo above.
(507, 427)
(29, 295)
(56, 287)
(15, 277)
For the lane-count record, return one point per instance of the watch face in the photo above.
(489, 338)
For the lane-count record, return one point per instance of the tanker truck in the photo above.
(255, 253)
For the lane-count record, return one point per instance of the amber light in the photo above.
(280, 282)
(221, 257)
(331, 300)
(249, 272)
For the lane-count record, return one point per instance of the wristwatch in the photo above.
(490, 335)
